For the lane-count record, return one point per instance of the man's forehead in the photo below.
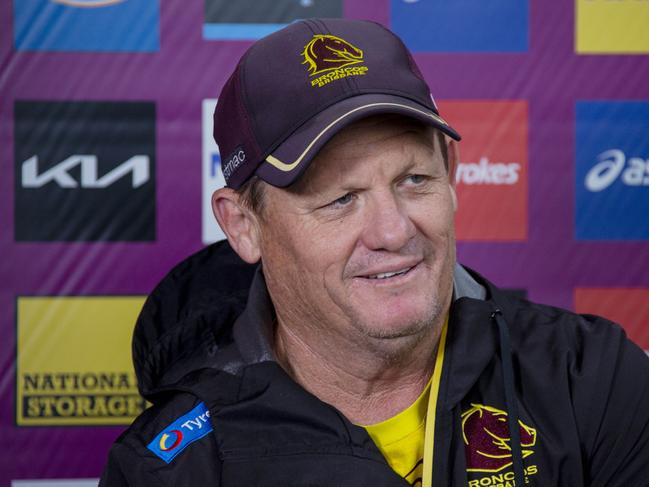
(362, 140)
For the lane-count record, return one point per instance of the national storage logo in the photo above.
(467, 26)
(254, 19)
(84, 171)
(74, 361)
(492, 174)
(212, 174)
(611, 26)
(87, 25)
(612, 170)
(627, 306)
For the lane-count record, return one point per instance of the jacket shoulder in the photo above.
(170, 443)
(603, 373)
(584, 339)
(560, 324)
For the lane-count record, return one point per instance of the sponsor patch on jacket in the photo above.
(184, 431)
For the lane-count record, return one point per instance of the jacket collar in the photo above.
(473, 339)
(470, 346)
(465, 286)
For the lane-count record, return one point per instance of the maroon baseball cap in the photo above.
(293, 90)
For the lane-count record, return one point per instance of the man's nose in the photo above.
(388, 225)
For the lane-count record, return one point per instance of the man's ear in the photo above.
(238, 223)
(453, 151)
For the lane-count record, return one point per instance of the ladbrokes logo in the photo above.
(486, 172)
(487, 441)
(492, 173)
(73, 361)
(332, 56)
(85, 171)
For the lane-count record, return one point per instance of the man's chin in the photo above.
(395, 321)
(398, 317)
(393, 330)
(399, 344)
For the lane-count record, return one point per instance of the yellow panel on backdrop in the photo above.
(612, 26)
(74, 361)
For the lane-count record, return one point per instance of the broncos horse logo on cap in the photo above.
(487, 440)
(325, 52)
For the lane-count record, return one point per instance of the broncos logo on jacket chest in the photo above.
(487, 440)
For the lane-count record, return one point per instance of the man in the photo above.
(361, 353)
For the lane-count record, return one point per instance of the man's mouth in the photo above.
(387, 275)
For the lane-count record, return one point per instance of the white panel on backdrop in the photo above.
(212, 175)
(55, 483)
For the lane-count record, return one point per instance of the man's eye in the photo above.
(416, 179)
(343, 200)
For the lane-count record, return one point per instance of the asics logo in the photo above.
(612, 164)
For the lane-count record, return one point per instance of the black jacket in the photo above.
(225, 413)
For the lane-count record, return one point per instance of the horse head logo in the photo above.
(487, 441)
(325, 52)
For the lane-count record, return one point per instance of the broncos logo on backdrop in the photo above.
(487, 441)
(326, 52)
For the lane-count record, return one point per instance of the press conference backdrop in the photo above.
(107, 167)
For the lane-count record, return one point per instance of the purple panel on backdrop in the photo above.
(187, 70)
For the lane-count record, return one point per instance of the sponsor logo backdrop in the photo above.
(253, 19)
(107, 166)
(84, 171)
(605, 26)
(87, 25)
(612, 170)
(467, 26)
(492, 174)
(212, 175)
(73, 361)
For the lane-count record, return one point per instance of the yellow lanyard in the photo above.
(429, 438)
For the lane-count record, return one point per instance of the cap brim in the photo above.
(288, 161)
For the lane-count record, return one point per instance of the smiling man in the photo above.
(340, 343)
(357, 314)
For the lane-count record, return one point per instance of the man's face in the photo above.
(362, 248)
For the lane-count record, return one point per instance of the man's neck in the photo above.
(367, 386)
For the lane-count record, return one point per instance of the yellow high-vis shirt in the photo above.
(406, 440)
